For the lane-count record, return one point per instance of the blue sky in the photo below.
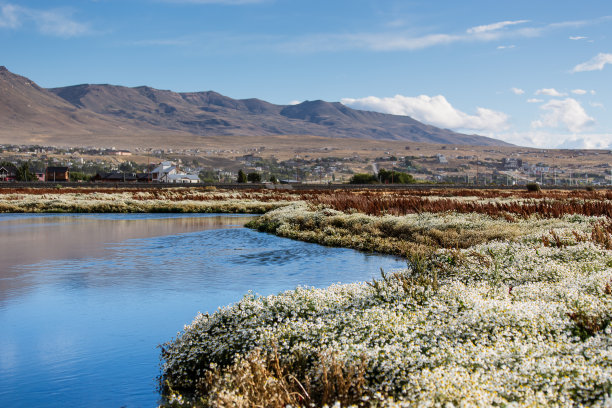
(536, 73)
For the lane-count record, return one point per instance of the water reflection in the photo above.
(82, 328)
(28, 240)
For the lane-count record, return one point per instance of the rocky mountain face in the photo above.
(26, 108)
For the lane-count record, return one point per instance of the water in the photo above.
(86, 299)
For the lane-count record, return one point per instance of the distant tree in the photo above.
(24, 174)
(533, 187)
(254, 177)
(394, 177)
(126, 167)
(79, 176)
(242, 177)
(273, 179)
(363, 178)
(208, 176)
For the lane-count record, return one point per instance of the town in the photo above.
(427, 163)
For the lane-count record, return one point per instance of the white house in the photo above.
(182, 178)
(167, 172)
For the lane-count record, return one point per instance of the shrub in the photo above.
(533, 187)
(363, 178)
(242, 177)
(254, 177)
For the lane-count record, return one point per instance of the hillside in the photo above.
(117, 115)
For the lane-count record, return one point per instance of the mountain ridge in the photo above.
(97, 109)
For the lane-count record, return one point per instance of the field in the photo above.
(506, 300)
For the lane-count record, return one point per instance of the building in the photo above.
(512, 163)
(163, 170)
(120, 177)
(183, 178)
(7, 173)
(57, 174)
(441, 158)
(168, 172)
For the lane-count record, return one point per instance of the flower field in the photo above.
(506, 300)
(109, 200)
(503, 309)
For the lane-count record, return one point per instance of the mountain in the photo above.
(112, 113)
(30, 114)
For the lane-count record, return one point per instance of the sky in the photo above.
(535, 73)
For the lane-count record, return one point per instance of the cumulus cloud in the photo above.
(579, 91)
(597, 63)
(51, 22)
(506, 47)
(517, 91)
(551, 140)
(578, 37)
(549, 92)
(434, 110)
(534, 100)
(566, 113)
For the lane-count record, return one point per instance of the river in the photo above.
(85, 299)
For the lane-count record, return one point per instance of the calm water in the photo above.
(86, 299)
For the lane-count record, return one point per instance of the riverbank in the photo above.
(507, 300)
(179, 200)
(498, 306)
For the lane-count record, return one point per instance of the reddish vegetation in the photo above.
(549, 205)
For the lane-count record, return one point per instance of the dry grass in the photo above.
(549, 205)
(260, 380)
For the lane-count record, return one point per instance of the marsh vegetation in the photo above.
(506, 300)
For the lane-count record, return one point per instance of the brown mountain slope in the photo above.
(107, 115)
(209, 113)
(30, 114)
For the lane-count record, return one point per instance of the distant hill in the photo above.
(115, 112)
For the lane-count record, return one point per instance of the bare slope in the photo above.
(209, 113)
(143, 116)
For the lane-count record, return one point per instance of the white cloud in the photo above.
(551, 140)
(596, 63)
(493, 27)
(434, 110)
(404, 40)
(597, 105)
(51, 22)
(578, 37)
(517, 91)
(9, 16)
(506, 47)
(549, 92)
(579, 91)
(534, 100)
(566, 113)
(295, 102)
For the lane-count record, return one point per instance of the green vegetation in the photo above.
(384, 176)
(394, 177)
(534, 187)
(254, 177)
(24, 174)
(242, 177)
(363, 178)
